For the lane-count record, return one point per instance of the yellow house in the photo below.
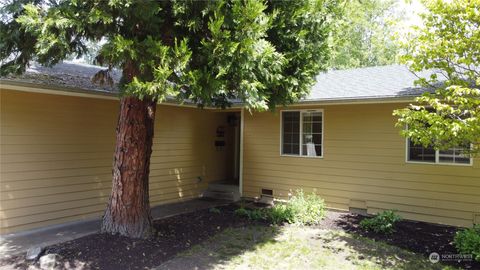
(58, 131)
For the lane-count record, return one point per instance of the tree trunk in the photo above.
(128, 211)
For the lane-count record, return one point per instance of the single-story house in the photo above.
(58, 134)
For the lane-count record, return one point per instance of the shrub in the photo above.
(280, 213)
(300, 209)
(382, 223)
(467, 241)
(253, 214)
(257, 214)
(242, 212)
(307, 209)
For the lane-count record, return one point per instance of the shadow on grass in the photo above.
(415, 236)
(366, 253)
(224, 247)
(295, 247)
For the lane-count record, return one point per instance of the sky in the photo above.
(412, 9)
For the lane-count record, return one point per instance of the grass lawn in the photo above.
(293, 247)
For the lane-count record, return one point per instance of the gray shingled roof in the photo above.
(391, 81)
(66, 74)
(365, 83)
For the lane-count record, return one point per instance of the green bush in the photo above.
(280, 213)
(382, 223)
(306, 209)
(467, 241)
(300, 209)
(253, 214)
(242, 212)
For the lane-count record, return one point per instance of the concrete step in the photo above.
(222, 187)
(222, 192)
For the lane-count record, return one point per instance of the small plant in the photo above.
(467, 241)
(280, 213)
(242, 212)
(383, 223)
(252, 214)
(257, 214)
(214, 210)
(300, 209)
(307, 209)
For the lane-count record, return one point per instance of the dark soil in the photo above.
(179, 233)
(419, 237)
(174, 234)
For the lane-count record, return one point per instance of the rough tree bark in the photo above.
(128, 211)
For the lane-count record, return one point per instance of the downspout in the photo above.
(242, 131)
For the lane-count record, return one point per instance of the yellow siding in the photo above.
(56, 157)
(363, 166)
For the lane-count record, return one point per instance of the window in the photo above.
(418, 153)
(302, 133)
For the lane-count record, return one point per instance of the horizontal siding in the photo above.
(56, 157)
(363, 164)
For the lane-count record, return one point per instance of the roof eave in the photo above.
(357, 100)
(56, 90)
(80, 92)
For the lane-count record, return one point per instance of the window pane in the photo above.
(462, 160)
(317, 128)
(446, 156)
(420, 153)
(291, 133)
(287, 127)
(311, 136)
(307, 127)
(318, 148)
(317, 117)
(286, 148)
(454, 155)
(317, 138)
(296, 138)
(296, 125)
(287, 138)
(295, 149)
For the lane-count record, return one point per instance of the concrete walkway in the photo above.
(16, 243)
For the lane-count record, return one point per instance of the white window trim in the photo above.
(301, 132)
(437, 159)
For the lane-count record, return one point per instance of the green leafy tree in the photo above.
(263, 53)
(364, 34)
(448, 44)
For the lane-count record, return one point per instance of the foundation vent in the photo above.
(267, 192)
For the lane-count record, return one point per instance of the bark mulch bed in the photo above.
(419, 237)
(175, 234)
(179, 233)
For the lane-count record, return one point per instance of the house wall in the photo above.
(56, 156)
(363, 167)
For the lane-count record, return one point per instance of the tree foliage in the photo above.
(364, 34)
(262, 53)
(449, 46)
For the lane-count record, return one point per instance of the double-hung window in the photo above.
(419, 153)
(302, 133)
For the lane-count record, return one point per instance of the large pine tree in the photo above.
(263, 53)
